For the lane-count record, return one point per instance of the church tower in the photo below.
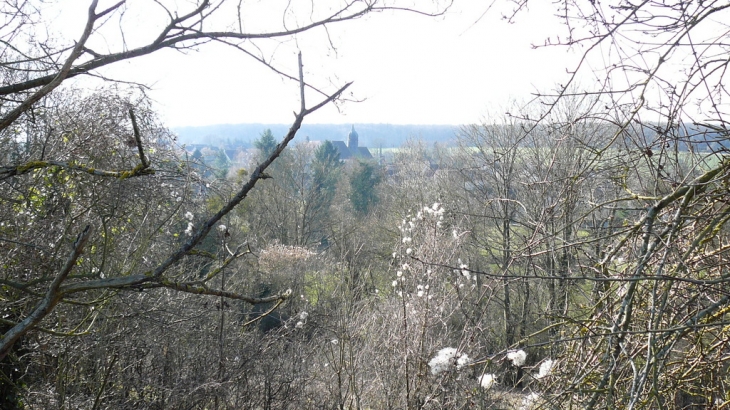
(352, 140)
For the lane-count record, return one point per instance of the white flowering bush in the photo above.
(276, 256)
(427, 248)
(517, 357)
(487, 381)
(427, 293)
(448, 359)
(439, 298)
(546, 368)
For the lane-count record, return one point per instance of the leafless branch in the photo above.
(51, 299)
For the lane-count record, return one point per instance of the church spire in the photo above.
(352, 140)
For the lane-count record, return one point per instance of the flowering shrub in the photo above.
(546, 368)
(487, 381)
(517, 357)
(447, 359)
(277, 255)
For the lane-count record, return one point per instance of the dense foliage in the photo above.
(571, 253)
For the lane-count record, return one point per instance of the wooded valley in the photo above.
(568, 252)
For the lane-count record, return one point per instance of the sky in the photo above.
(405, 68)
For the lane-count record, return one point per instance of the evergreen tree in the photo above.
(362, 187)
(221, 164)
(266, 143)
(197, 155)
(324, 166)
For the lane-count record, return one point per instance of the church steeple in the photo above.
(352, 140)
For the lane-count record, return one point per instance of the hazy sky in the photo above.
(409, 69)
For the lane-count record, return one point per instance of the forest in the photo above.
(566, 252)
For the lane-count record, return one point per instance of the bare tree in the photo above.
(654, 334)
(92, 189)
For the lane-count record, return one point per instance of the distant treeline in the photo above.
(702, 137)
(370, 135)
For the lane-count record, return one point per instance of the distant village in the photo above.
(370, 135)
(230, 147)
(238, 155)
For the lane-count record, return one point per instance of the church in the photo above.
(352, 150)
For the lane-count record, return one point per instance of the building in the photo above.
(351, 150)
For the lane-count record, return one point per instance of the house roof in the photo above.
(363, 152)
(342, 149)
(347, 153)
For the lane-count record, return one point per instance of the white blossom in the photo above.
(189, 216)
(546, 368)
(409, 251)
(299, 325)
(222, 228)
(444, 360)
(303, 315)
(462, 361)
(189, 230)
(466, 274)
(487, 381)
(517, 357)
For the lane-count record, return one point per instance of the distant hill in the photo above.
(370, 135)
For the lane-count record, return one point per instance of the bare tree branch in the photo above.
(55, 80)
(51, 299)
